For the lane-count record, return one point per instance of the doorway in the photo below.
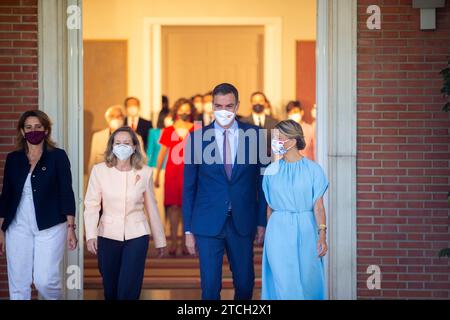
(192, 51)
(336, 87)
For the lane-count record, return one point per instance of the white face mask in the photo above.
(278, 147)
(199, 107)
(115, 124)
(224, 117)
(123, 151)
(208, 107)
(133, 111)
(168, 121)
(297, 117)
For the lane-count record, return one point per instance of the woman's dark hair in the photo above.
(165, 103)
(292, 130)
(224, 89)
(46, 123)
(292, 105)
(196, 96)
(177, 106)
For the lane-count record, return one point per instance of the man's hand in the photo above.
(260, 234)
(190, 244)
(92, 246)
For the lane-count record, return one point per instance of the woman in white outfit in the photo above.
(37, 210)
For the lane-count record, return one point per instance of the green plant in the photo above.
(446, 88)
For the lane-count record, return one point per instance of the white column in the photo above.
(60, 96)
(337, 137)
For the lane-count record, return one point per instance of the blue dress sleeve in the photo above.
(320, 183)
(265, 187)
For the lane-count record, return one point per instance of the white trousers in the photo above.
(34, 256)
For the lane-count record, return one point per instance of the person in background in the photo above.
(164, 120)
(122, 187)
(208, 113)
(296, 113)
(139, 125)
(259, 118)
(153, 147)
(115, 117)
(165, 111)
(172, 141)
(37, 210)
(295, 243)
(197, 100)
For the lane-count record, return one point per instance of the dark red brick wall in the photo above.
(18, 79)
(403, 153)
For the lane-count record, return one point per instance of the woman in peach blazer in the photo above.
(122, 188)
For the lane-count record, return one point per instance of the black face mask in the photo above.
(258, 108)
(184, 116)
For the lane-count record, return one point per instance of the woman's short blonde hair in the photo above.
(292, 130)
(137, 158)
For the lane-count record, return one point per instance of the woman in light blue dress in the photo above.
(295, 241)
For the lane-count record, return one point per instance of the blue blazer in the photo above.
(51, 180)
(207, 192)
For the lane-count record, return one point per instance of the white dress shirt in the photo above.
(259, 119)
(233, 136)
(133, 122)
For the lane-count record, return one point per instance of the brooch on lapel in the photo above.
(44, 168)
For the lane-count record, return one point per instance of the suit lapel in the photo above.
(240, 150)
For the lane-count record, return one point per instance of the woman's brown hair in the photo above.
(46, 123)
(180, 102)
(137, 158)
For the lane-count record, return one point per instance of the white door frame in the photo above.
(61, 96)
(152, 59)
(336, 137)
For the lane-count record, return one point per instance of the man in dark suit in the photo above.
(134, 121)
(223, 203)
(260, 118)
